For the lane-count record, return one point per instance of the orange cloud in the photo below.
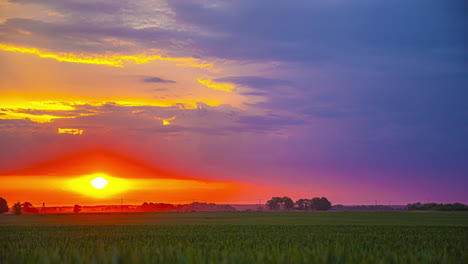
(13, 107)
(72, 131)
(107, 60)
(226, 87)
(16, 105)
(166, 121)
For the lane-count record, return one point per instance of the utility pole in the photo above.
(43, 209)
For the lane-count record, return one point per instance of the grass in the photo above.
(420, 218)
(236, 237)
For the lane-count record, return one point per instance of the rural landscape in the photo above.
(422, 233)
(233, 131)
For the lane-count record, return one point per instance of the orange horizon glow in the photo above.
(103, 177)
(68, 190)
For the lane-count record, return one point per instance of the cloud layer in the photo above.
(327, 94)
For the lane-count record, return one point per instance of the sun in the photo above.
(99, 185)
(99, 182)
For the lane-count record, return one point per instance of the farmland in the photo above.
(236, 237)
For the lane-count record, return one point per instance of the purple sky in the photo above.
(354, 100)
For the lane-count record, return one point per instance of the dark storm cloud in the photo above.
(257, 86)
(157, 80)
(99, 6)
(66, 36)
(269, 121)
(16, 122)
(159, 89)
(318, 31)
(254, 81)
(205, 119)
(61, 113)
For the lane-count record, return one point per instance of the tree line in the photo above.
(195, 206)
(438, 207)
(26, 207)
(275, 204)
(287, 204)
(17, 208)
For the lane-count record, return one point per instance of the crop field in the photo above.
(236, 237)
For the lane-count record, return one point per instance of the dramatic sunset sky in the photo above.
(233, 101)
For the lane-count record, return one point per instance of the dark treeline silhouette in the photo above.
(28, 208)
(286, 204)
(275, 204)
(76, 208)
(340, 207)
(196, 206)
(17, 209)
(3, 206)
(438, 207)
(157, 207)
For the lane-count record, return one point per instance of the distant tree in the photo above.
(304, 204)
(277, 203)
(76, 209)
(274, 203)
(28, 208)
(301, 204)
(17, 209)
(339, 207)
(321, 204)
(460, 207)
(438, 207)
(287, 203)
(3, 206)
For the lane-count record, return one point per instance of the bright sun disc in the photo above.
(99, 182)
(99, 185)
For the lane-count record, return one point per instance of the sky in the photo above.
(360, 101)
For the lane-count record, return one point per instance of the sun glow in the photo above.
(99, 185)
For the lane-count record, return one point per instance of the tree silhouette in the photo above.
(274, 203)
(321, 204)
(304, 204)
(288, 203)
(76, 209)
(28, 208)
(3, 206)
(17, 209)
(316, 203)
(439, 207)
(277, 203)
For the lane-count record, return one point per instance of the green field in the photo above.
(236, 237)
